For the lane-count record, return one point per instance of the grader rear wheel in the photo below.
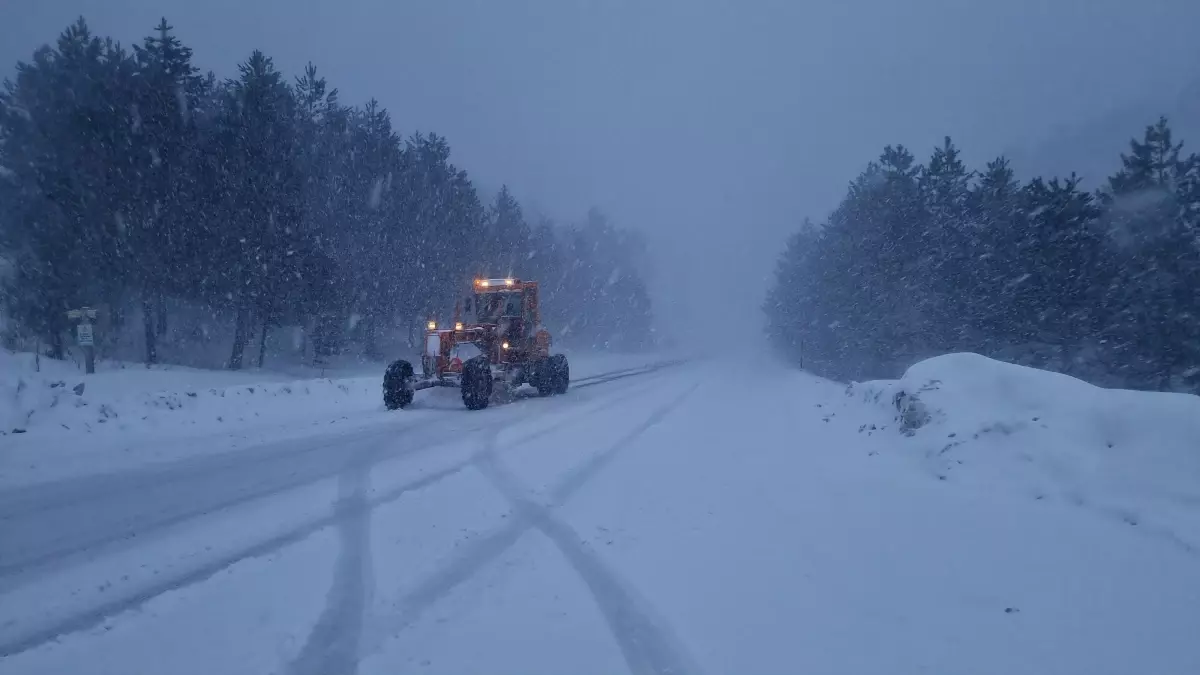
(553, 376)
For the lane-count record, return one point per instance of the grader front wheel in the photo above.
(397, 384)
(476, 383)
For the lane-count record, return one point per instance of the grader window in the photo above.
(491, 307)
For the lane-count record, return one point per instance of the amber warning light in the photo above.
(488, 283)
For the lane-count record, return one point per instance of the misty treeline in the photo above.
(132, 182)
(924, 259)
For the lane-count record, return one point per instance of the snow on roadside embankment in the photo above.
(54, 399)
(56, 422)
(1130, 455)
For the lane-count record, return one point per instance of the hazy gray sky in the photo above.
(711, 125)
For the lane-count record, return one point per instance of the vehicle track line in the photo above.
(648, 645)
(332, 645)
(13, 574)
(326, 649)
(24, 570)
(36, 636)
(483, 550)
(69, 491)
(93, 617)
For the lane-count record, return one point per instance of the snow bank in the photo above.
(1128, 454)
(53, 398)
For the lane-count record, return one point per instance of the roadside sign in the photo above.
(83, 335)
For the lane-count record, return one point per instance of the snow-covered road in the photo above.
(686, 519)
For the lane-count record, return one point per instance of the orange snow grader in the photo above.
(496, 341)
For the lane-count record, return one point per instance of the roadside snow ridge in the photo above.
(1131, 455)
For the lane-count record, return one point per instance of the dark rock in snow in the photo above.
(78, 389)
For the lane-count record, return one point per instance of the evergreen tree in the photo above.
(262, 183)
(1151, 321)
(165, 144)
(507, 243)
(65, 136)
(1043, 273)
(994, 211)
(133, 177)
(947, 244)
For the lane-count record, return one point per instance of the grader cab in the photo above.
(495, 340)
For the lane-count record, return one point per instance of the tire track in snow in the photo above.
(25, 566)
(41, 632)
(332, 646)
(22, 563)
(648, 647)
(647, 644)
(30, 638)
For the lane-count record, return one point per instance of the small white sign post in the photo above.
(84, 335)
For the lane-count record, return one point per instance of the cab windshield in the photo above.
(491, 307)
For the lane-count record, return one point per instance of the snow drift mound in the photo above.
(54, 398)
(1128, 454)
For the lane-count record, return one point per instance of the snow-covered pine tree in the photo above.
(262, 184)
(1152, 308)
(168, 90)
(946, 244)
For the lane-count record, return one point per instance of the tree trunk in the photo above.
(240, 338)
(57, 349)
(162, 314)
(151, 336)
(308, 352)
(370, 349)
(262, 342)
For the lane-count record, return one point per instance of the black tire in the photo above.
(397, 384)
(558, 373)
(543, 378)
(477, 383)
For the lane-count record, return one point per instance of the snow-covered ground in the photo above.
(700, 518)
(57, 422)
(1131, 456)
